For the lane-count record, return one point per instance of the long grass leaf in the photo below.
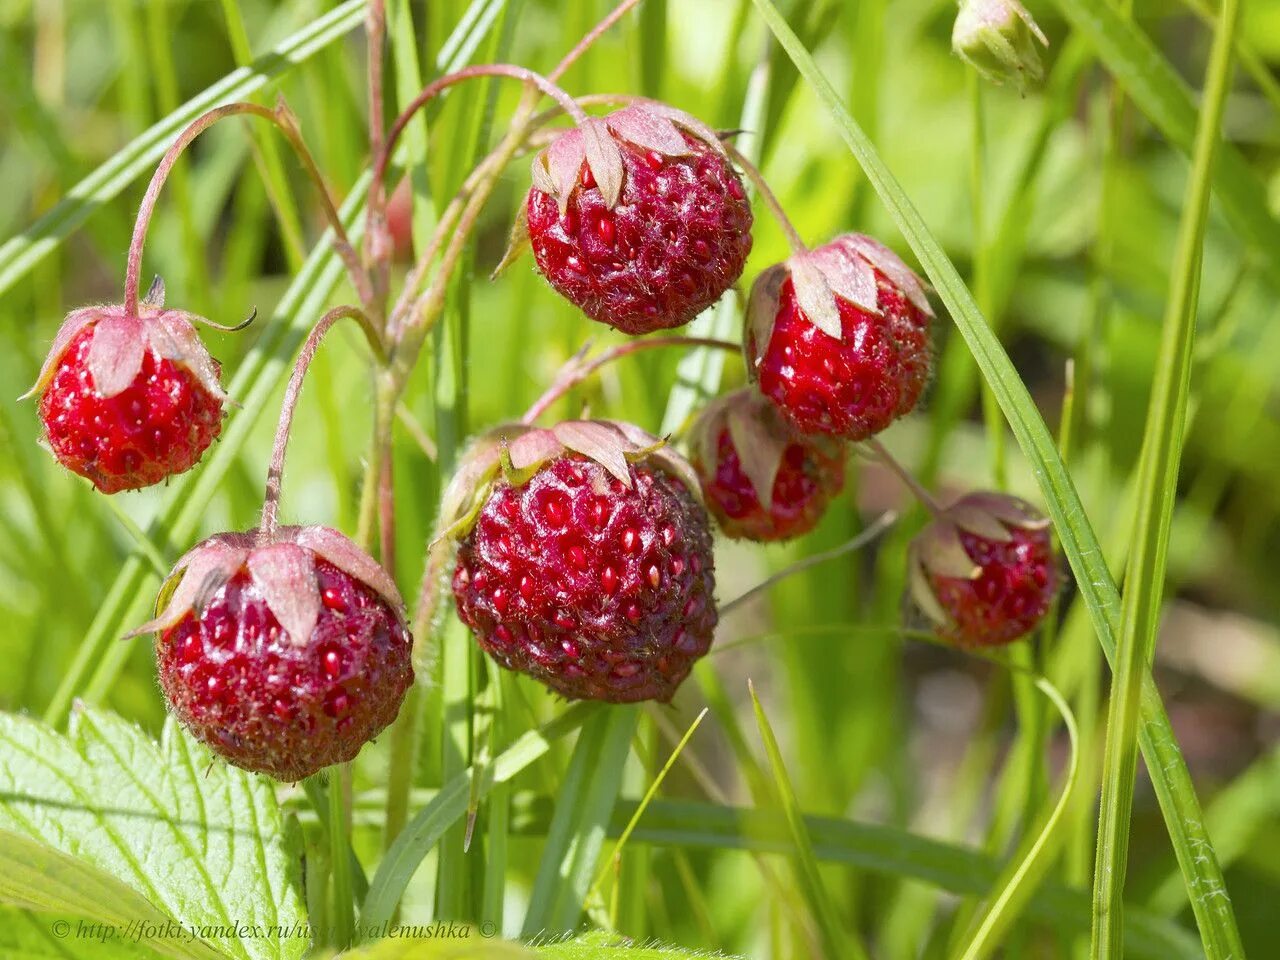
(1168, 769)
(1158, 469)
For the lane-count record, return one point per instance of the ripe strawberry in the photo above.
(761, 479)
(284, 657)
(129, 401)
(984, 571)
(586, 562)
(838, 338)
(638, 218)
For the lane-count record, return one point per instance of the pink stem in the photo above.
(575, 371)
(902, 473)
(283, 120)
(882, 523)
(596, 32)
(768, 196)
(441, 84)
(271, 502)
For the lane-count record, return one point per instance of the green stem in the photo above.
(1158, 471)
(339, 840)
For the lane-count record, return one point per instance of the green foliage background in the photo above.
(919, 771)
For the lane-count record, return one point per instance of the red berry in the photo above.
(760, 479)
(593, 576)
(284, 658)
(638, 218)
(839, 338)
(129, 401)
(985, 571)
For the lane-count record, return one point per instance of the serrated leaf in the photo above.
(202, 843)
(25, 935)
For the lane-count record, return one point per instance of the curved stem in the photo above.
(284, 120)
(881, 523)
(770, 199)
(585, 43)
(378, 248)
(576, 370)
(909, 481)
(439, 85)
(271, 503)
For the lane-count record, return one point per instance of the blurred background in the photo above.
(1082, 197)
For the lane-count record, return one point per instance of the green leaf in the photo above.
(23, 252)
(450, 805)
(586, 798)
(835, 939)
(1169, 775)
(1019, 880)
(190, 839)
(1158, 469)
(47, 936)
(593, 946)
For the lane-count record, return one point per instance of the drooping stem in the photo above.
(271, 503)
(767, 195)
(877, 527)
(439, 85)
(591, 37)
(902, 473)
(282, 119)
(578, 368)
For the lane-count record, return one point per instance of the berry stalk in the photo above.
(271, 502)
(877, 527)
(902, 473)
(578, 368)
(768, 196)
(282, 118)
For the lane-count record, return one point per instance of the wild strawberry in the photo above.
(838, 338)
(984, 570)
(586, 561)
(129, 401)
(638, 218)
(283, 657)
(761, 479)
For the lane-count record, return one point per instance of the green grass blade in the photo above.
(587, 795)
(1020, 878)
(1158, 469)
(837, 941)
(1168, 769)
(19, 255)
(450, 805)
(1162, 95)
(884, 851)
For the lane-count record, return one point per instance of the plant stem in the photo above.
(439, 85)
(596, 32)
(339, 841)
(284, 120)
(902, 473)
(767, 195)
(377, 244)
(881, 523)
(575, 371)
(271, 503)
(1157, 472)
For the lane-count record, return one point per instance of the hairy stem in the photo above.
(439, 85)
(284, 120)
(578, 368)
(767, 195)
(902, 473)
(271, 503)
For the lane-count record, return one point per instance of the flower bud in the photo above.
(998, 39)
